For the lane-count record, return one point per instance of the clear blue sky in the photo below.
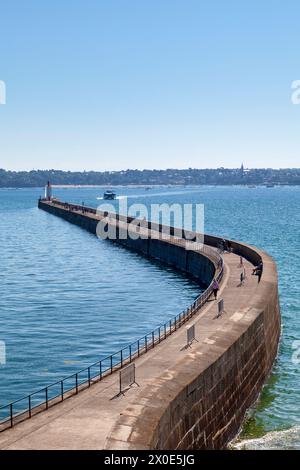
(116, 84)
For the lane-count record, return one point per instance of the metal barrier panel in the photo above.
(190, 334)
(220, 307)
(127, 377)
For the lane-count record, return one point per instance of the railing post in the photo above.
(138, 348)
(145, 343)
(159, 334)
(100, 369)
(46, 395)
(11, 415)
(62, 390)
(89, 376)
(153, 339)
(165, 328)
(76, 382)
(121, 352)
(130, 353)
(29, 406)
(111, 364)
(170, 326)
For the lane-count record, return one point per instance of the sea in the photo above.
(69, 299)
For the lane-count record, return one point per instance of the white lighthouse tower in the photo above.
(48, 191)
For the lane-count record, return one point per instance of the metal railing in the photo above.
(56, 392)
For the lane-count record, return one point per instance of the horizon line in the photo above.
(148, 169)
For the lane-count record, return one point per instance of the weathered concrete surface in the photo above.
(188, 398)
(200, 400)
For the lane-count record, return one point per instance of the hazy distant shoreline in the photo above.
(150, 178)
(147, 186)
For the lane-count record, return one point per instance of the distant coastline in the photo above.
(154, 186)
(151, 178)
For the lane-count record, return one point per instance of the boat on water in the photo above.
(109, 195)
(270, 185)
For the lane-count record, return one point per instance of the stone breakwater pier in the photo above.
(188, 397)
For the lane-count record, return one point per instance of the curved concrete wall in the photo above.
(208, 412)
(204, 403)
(193, 263)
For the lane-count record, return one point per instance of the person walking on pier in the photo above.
(215, 287)
(258, 270)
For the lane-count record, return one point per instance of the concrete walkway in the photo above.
(86, 421)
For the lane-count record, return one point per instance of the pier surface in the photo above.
(192, 397)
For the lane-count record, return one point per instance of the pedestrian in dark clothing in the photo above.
(215, 287)
(259, 274)
(258, 270)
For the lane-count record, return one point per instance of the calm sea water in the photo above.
(68, 299)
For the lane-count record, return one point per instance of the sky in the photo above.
(117, 84)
